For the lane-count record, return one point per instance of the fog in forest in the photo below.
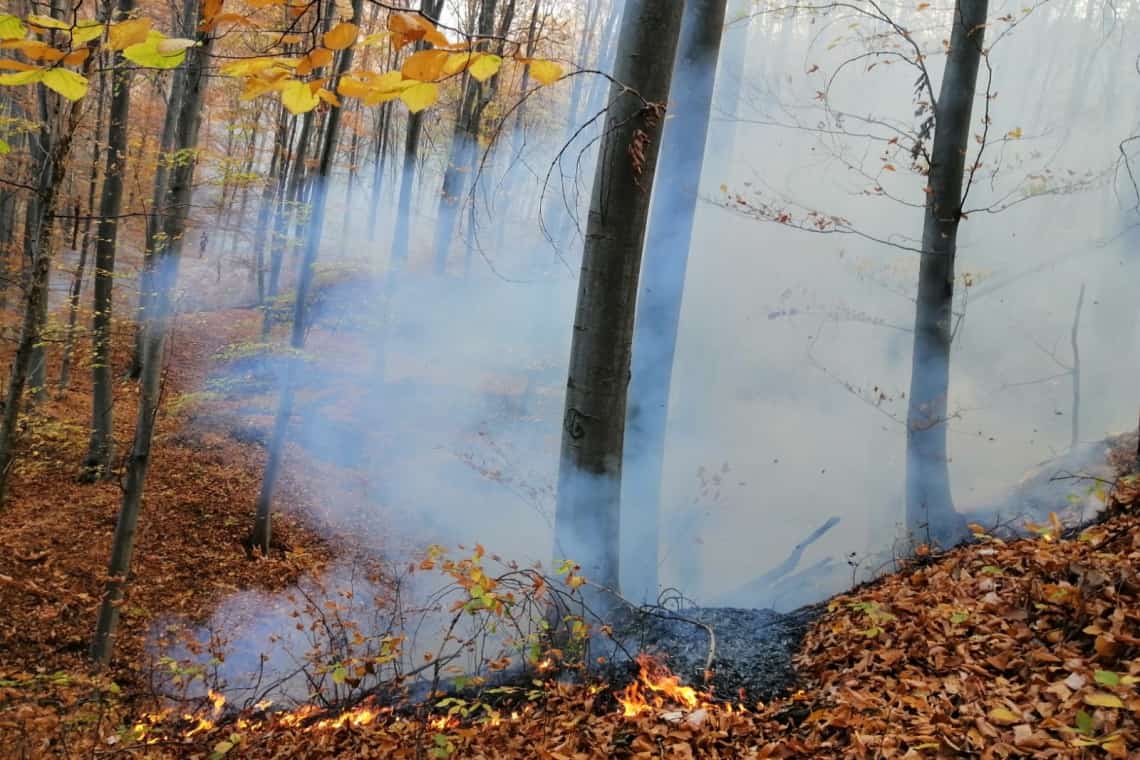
(788, 402)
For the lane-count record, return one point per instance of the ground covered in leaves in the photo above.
(1024, 648)
(55, 538)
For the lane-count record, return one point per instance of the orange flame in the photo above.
(661, 684)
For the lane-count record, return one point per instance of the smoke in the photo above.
(438, 411)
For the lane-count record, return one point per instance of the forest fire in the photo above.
(655, 682)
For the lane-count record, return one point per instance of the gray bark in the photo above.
(52, 171)
(164, 275)
(587, 519)
(464, 144)
(930, 513)
(401, 238)
(155, 217)
(262, 527)
(662, 285)
(100, 448)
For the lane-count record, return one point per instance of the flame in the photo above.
(661, 684)
(218, 700)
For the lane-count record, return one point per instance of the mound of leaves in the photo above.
(1027, 648)
(998, 649)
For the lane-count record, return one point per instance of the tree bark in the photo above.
(262, 526)
(164, 275)
(587, 519)
(154, 218)
(100, 448)
(76, 290)
(930, 513)
(53, 171)
(662, 285)
(401, 238)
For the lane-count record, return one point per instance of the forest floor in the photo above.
(1026, 648)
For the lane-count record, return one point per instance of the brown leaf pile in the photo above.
(1023, 649)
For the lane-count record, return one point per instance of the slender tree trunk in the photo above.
(100, 448)
(1075, 434)
(73, 296)
(273, 189)
(402, 235)
(164, 276)
(154, 218)
(662, 285)
(53, 173)
(930, 513)
(262, 527)
(587, 519)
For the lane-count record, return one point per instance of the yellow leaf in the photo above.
(35, 50)
(85, 31)
(174, 45)
(456, 62)
(419, 96)
(379, 38)
(320, 57)
(1103, 699)
(1014, 134)
(425, 65)
(341, 36)
(412, 27)
(22, 77)
(350, 87)
(1003, 717)
(485, 66)
(247, 66)
(76, 57)
(545, 72)
(13, 65)
(4, 148)
(47, 22)
(922, 6)
(11, 27)
(328, 97)
(297, 97)
(257, 86)
(66, 82)
(146, 53)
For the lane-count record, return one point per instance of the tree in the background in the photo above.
(262, 526)
(587, 519)
(930, 509)
(477, 95)
(163, 263)
(402, 235)
(60, 115)
(97, 462)
(666, 257)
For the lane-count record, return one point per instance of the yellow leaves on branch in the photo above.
(542, 71)
(341, 36)
(135, 38)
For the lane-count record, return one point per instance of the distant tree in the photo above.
(262, 526)
(587, 519)
(97, 462)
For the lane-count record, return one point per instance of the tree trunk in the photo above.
(100, 448)
(52, 174)
(662, 285)
(587, 520)
(274, 188)
(154, 218)
(262, 527)
(930, 514)
(73, 296)
(402, 235)
(164, 275)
